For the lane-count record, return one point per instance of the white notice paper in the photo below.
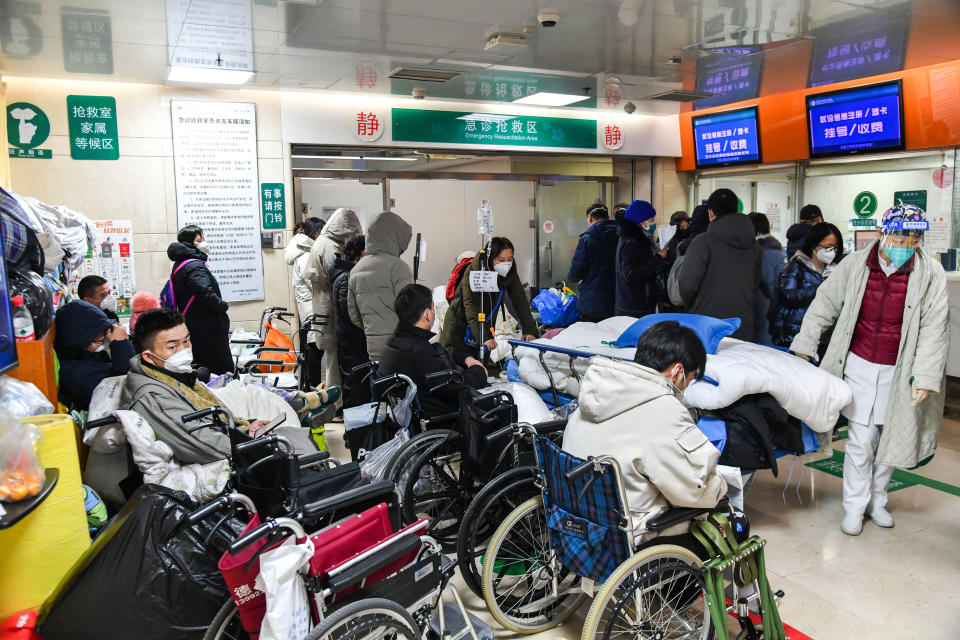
(666, 235)
(113, 259)
(215, 164)
(483, 282)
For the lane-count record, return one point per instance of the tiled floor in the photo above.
(894, 584)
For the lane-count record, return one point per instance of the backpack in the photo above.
(454, 284)
(167, 298)
(673, 282)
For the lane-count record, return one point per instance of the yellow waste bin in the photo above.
(37, 552)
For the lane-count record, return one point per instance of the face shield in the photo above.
(902, 233)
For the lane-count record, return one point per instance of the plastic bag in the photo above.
(21, 475)
(530, 406)
(22, 399)
(148, 575)
(288, 613)
(556, 310)
(564, 411)
(375, 465)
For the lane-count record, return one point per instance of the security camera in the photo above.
(629, 107)
(419, 93)
(548, 18)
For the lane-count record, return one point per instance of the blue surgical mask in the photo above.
(649, 230)
(899, 255)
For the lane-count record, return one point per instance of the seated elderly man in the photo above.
(633, 412)
(91, 348)
(410, 352)
(162, 386)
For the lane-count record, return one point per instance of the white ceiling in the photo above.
(352, 45)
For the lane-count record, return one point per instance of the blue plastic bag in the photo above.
(553, 311)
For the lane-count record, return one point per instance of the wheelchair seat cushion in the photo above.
(586, 533)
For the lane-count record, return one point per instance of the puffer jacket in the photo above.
(594, 266)
(877, 335)
(634, 414)
(772, 264)
(796, 288)
(297, 254)
(207, 317)
(467, 304)
(911, 432)
(78, 323)
(638, 266)
(377, 279)
(351, 343)
(341, 225)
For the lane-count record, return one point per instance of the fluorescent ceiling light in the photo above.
(547, 99)
(486, 117)
(201, 75)
(300, 155)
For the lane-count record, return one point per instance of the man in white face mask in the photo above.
(96, 291)
(162, 386)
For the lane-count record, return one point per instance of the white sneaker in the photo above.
(852, 523)
(881, 517)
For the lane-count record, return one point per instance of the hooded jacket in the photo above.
(207, 317)
(594, 267)
(78, 323)
(634, 414)
(911, 432)
(467, 304)
(297, 254)
(796, 234)
(637, 268)
(721, 272)
(772, 262)
(377, 279)
(796, 288)
(341, 225)
(699, 222)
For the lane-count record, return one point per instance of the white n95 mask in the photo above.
(180, 362)
(109, 304)
(503, 268)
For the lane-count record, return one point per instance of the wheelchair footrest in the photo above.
(456, 627)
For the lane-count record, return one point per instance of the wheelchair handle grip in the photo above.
(552, 426)
(273, 350)
(579, 470)
(206, 510)
(499, 433)
(267, 528)
(366, 365)
(197, 415)
(252, 341)
(99, 422)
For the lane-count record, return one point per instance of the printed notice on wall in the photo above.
(112, 259)
(215, 163)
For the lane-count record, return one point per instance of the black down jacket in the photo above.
(351, 341)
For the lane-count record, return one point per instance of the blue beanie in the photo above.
(640, 211)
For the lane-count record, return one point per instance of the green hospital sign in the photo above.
(93, 127)
(464, 127)
(27, 128)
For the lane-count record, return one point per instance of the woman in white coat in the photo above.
(296, 255)
(889, 306)
(633, 412)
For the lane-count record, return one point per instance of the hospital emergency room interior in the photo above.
(400, 319)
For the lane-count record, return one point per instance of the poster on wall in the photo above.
(215, 164)
(210, 34)
(112, 259)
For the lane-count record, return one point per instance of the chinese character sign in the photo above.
(732, 74)
(368, 125)
(727, 138)
(458, 127)
(272, 205)
(612, 136)
(112, 259)
(87, 42)
(857, 48)
(218, 188)
(855, 120)
(93, 127)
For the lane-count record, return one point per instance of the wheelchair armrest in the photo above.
(443, 418)
(552, 426)
(311, 459)
(260, 350)
(353, 573)
(675, 516)
(366, 493)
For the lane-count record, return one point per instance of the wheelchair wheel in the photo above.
(486, 511)
(400, 466)
(226, 624)
(656, 593)
(372, 618)
(520, 570)
(434, 490)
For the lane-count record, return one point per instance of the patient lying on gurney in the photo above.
(633, 412)
(162, 386)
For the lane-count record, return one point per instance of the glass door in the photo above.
(561, 218)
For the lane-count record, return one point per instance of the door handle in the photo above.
(550, 259)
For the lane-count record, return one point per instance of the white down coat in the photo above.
(634, 414)
(296, 255)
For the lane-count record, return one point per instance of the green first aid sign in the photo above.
(93, 127)
(27, 128)
(464, 127)
(865, 204)
(272, 205)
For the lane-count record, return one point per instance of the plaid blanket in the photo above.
(21, 248)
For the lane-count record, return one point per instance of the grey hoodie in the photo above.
(377, 278)
(341, 225)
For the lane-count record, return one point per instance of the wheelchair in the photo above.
(576, 541)
(282, 366)
(367, 577)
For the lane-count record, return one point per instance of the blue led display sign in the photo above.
(731, 137)
(855, 120)
(857, 49)
(732, 73)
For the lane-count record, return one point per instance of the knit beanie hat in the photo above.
(640, 211)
